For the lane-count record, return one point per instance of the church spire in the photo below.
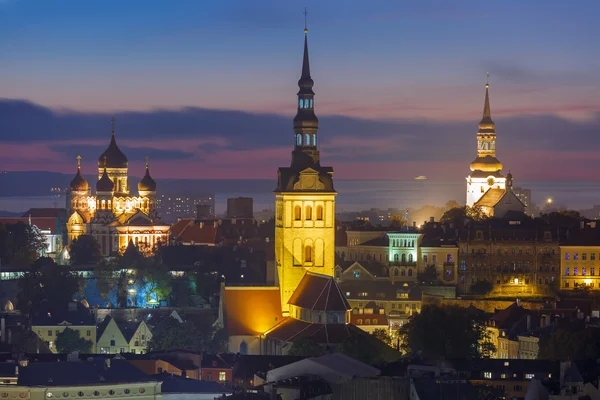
(486, 119)
(305, 121)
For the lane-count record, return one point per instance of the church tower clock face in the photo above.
(490, 181)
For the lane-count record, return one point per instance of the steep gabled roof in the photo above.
(491, 198)
(319, 292)
(251, 310)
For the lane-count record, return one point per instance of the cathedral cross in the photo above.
(78, 162)
(113, 119)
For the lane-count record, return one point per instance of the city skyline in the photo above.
(204, 90)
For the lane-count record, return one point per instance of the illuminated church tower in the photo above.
(486, 169)
(304, 200)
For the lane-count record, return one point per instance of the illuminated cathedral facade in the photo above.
(114, 216)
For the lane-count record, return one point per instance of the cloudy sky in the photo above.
(207, 89)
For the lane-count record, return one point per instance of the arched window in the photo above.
(306, 103)
(320, 317)
(403, 272)
(396, 257)
(300, 103)
(243, 348)
(336, 318)
(410, 272)
(312, 103)
(403, 257)
(308, 214)
(449, 258)
(103, 204)
(297, 213)
(109, 204)
(299, 140)
(308, 254)
(307, 139)
(314, 140)
(410, 258)
(319, 213)
(396, 272)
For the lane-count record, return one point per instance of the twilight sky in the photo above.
(207, 89)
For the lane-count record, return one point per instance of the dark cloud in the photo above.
(195, 132)
(521, 74)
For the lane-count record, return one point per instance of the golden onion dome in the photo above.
(147, 184)
(486, 164)
(105, 184)
(79, 184)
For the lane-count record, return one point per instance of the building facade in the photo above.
(114, 216)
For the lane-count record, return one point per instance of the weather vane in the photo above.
(146, 161)
(113, 119)
(78, 162)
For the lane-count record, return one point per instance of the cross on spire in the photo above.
(305, 15)
(78, 162)
(487, 82)
(146, 162)
(113, 119)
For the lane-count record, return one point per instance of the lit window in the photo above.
(506, 363)
(528, 376)
(357, 274)
(567, 256)
(487, 375)
(222, 376)
(575, 271)
(567, 271)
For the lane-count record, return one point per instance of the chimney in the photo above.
(3, 329)
(431, 219)
(414, 224)
(581, 224)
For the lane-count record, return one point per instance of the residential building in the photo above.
(515, 256)
(580, 259)
(47, 322)
(185, 205)
(361, 270)
(216, 368)
(110, 337)
(194, 232)
(137, 334)
(240, 207)
(501, 328)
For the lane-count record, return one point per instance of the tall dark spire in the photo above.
(487, 113)
(305, 121)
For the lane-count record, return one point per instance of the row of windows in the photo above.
(308, 213)
(579, 284)
(583, 271)
(513, 251)
(51, 332)
(308, 252)
(306, 103)
(583, 256)
(375, 321)
(398, 257)
(403, 243)
(309, 139)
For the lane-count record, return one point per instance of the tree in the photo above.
(397, 221)
(85, 250)
(570, 342)
(20, 244)
(368, 349)
(47, 281)
(383, 335)
(69, 340)
(197, 335)
(446, 333)
(482, 287)
(306, 348)
(429, 276)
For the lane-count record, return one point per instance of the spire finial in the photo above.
(305, 15)
(78, 162)
(113, 119)
(146, 162)
(105, 162)
(487, 82)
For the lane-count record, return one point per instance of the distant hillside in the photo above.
(40, 183)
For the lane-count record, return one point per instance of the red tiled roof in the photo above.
(43, 223)
(251, 310)
(292, 329)
(180, 225)
(187, 231)
(319, 292)
(360, 319)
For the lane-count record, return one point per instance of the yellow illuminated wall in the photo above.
(304, 238)
(579, 267)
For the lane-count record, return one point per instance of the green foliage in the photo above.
(189, 335)
(47, 281)
(69, 340)
(570, 343)
(206, 279)
(306, 348)
(85, 250)
(368, 349)
(397, 221)
(429, 276)
(446, 333)
(482, 287)
(564, 218)
(20, 244)
(383, 335)
(461, 215)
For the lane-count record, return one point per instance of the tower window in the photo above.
(298, 140)
(300, 103)
(314, 140)
(306, 102)
(319, 213)
(297, 213)
(308, 212)
(308, 254)
(312, 103)
(307, 139)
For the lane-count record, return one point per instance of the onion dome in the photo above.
(147, 184)
(113, 155)
(105, 184)
(79, 184)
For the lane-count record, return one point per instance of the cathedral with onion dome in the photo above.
(114, 216)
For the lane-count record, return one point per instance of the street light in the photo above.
(549, 200)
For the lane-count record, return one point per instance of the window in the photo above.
(575, 256)
(410, 258)
(583, 271)
(222, 376)
(243, 348)
(49, 333)
(592, 271)
(356, 274)
(575, 270)
(434, 258)
(503, 376)
(89, 333)
(307, 139)
(487, 375)
(410, 272)
(396, 272)
(567, 256)
(298, 140)
(319, 213)
(506, 363)
(308, 254)
(583, 256)
(112, 342)
(448, 258)
(593, 256)
(528, 376)
(297, 213)
(567, 271)
(336, 318)
(425, 258)
(396, 257)
(308, 212)
(566, 284)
